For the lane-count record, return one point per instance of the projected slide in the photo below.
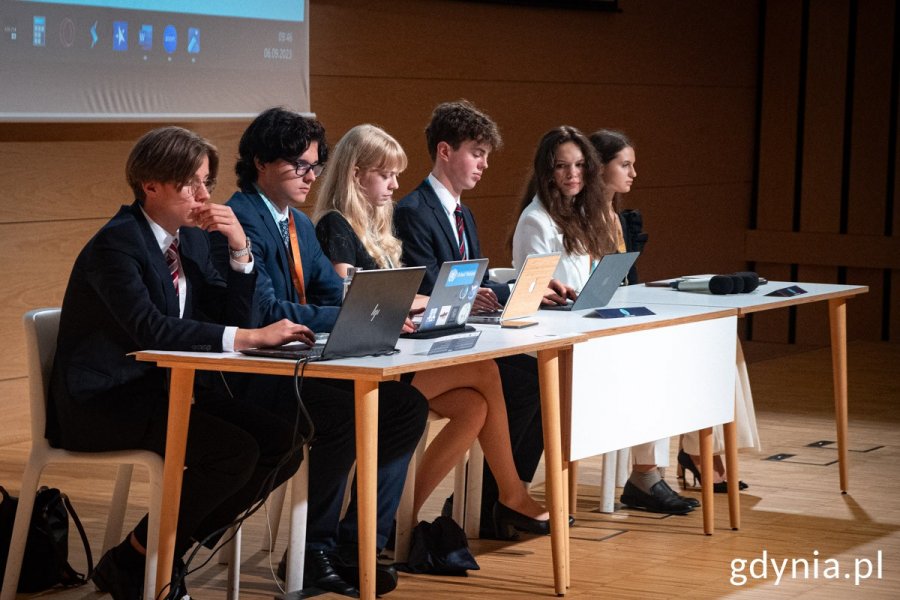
(186, 59)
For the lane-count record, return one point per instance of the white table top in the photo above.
(755, 301)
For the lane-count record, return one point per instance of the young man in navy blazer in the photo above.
(460, 138)
(280, 155)
(146, 280)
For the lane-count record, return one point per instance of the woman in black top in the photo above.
(353, 222)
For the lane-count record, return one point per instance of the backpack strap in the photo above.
(73, 577)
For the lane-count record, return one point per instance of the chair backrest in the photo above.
(41, 329)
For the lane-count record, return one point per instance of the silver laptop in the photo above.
(451, 299)
(527, 293)
(598, 290)
(369, 322)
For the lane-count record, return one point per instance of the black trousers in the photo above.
(237, 452)
(521, 390)
(402, 412)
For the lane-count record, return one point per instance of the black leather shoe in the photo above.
(692, 502)
(319, 572)
(347, 566)
(447, 508)
(661, 499)
(118, 576)
(507, 522)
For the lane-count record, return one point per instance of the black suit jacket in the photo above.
(428, 240)
(120, 299)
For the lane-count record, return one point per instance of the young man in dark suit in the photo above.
(436, 227)
(280, 155)
(146, 280)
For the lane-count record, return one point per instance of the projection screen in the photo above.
(132, 60)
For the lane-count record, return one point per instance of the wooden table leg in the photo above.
(837, 312)
(548, 369)
(706, 468)
(366, 397)
(569, 469)
(733, 470)
(181, 389)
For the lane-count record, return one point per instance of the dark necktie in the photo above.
(172, 262)
(285, 236)
(460, 231)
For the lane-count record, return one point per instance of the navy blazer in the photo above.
(276, 295)
(120, 299)
(422, 225)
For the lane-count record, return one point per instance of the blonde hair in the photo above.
(364, 147)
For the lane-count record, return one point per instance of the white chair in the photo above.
(41, 327)
(501, 274)
(297, 537)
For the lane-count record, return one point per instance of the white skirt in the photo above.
(744, 416)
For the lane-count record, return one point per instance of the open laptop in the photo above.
(598, 290)
(451, 299)
(369, 322)
(525, 298)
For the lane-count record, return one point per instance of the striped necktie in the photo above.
(460, 231)
(172, 262)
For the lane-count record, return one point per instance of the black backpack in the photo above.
(46, 560)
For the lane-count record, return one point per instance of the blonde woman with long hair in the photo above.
(353, 223)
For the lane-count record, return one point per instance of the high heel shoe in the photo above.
(686, 463)
(507, 521)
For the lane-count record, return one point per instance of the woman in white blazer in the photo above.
(566, 210)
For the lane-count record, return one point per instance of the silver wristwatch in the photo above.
(242, 252)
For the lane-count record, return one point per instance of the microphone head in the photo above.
(737, 283)
(721, 285)
(751, 280)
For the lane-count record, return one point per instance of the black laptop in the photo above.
(598, 290)
(369, 322)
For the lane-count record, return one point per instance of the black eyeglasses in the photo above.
(301, 168)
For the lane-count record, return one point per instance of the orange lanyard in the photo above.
(296, 263)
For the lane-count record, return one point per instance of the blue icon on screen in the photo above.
(120, 36)
(193, 46)
(94, 37)
(145, 37)
(170, 39)
(39, 37)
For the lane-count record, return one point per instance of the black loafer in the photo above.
(347, 566)
(661, 499)
(113, 575)
(319, 572)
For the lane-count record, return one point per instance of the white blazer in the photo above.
(536, 233)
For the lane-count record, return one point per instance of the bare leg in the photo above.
(466, 410)
(483, 377)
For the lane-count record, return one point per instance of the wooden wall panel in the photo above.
(871, 121)
(835, 177)
(778, 129)
(823, 132)
(40, 261)
(15, 411)
(662, 43)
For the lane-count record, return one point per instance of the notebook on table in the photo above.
(369, 322)
(602, 284)
(526, 295)
(451, 299)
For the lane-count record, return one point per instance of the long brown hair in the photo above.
(585, 220)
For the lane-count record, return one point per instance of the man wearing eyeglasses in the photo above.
(146, 281)
(280, 155)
